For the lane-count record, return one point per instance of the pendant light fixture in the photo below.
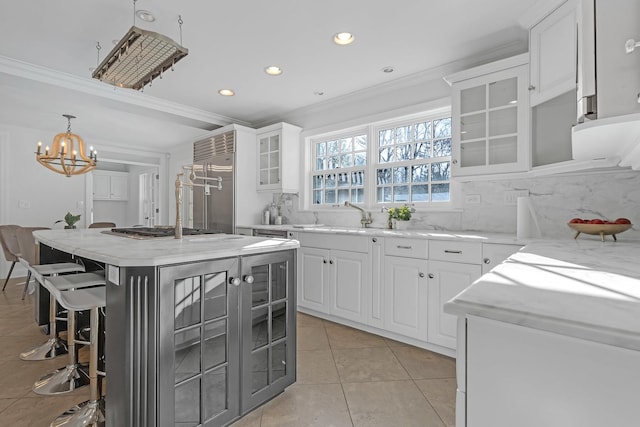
(67, 154)
(140, 56)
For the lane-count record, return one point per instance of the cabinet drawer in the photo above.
(334, 241)
(448, 250)
(412, 248)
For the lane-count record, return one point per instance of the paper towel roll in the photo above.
(526, 220)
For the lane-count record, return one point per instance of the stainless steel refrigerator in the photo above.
(213, 198)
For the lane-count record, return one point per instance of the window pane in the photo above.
(333, 147)
(343, 180)
(346, 160)
(321, 149)
(333, 162)
(440, 193)
(422, 150)
(330, 181)
(403, 134)
(360, 159)
(357, 195)
(442, 128)
(420, 193)
(317, 197)
(386, 137)
(330, 196)
(401, 193)
(401, 175)
(346, 145)
(357, 178)
(384, 176)
(442, 147)
(420, 173)
(360, 142)
(383, 194)
(343, 196)
(317, 181)
(423, 131)
(440, 171)
(403, 152)
(320, 163)
(386, 155)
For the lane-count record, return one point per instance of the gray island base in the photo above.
(199, 331)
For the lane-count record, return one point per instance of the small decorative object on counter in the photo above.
(600, 227)
(402, 213)
(266, 215)
(278, 220)
(273, 213)
(70, 220)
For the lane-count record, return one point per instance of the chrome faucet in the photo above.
(366, 216)
(179, 185)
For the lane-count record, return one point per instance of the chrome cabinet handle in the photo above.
(448, 251)
(331, 262)
(487, 261)
(420, 274)
(431, 276)
(403, 247)
(249, 279)
(324, 261)
(234, 281)
(374, 240)
(531, 87)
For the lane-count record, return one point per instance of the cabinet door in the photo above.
(376, 269)
(101, 189)
(269, 169)
(349, 278)
(199, 347)
(446, 280)
(490, 125)
(553, 44)
(406, 296)
(268, 326)
(312, 286)
(118, 187)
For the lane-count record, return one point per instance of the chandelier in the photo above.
(139, 57)
(67, 155)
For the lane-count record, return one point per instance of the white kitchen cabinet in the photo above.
(110, 185)
(494, 253)
(446, 280)
(278, 158)
(405, 290)
(334, 281)
(490, 118)
(552, 54)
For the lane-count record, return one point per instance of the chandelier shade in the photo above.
(138, 58)
(67, 154)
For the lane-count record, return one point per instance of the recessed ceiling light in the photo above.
(145, 15)
(226, 92)
(343, 38)
(388, 70)
(273, 70)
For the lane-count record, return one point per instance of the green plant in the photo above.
(402, 213)
(69, 219)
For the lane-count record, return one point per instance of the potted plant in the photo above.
(70, 220)
(402, 213)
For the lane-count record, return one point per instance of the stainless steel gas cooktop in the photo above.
(151, 232)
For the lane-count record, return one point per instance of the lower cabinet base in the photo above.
(384, 333)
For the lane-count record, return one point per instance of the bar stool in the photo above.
(90, 412)
(54, 346)
(70, 377)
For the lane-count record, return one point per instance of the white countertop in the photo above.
(582, 288)
(126, 252)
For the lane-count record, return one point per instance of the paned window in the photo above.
(414, 162)
(339, 170)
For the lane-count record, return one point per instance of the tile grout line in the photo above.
(344, 396)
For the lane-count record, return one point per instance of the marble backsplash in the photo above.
(555, 199)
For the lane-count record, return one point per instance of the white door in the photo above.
(348, 281)
(406, 296)
(147, 211)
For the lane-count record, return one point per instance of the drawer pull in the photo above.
(403, 247)
(431, 276)
(448, 251)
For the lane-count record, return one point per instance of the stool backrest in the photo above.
(28, 249)
(103, 225)
(9, 242)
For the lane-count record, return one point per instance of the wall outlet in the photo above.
(511, 196)
(472, 199)
(24, 204)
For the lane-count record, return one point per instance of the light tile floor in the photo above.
(345, 377)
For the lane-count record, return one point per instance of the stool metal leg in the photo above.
(54, 346)
(13, 264)
(90, 412)
(68, 378)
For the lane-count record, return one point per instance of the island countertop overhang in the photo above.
(126, 252)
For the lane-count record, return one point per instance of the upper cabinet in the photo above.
(490, 125)
(109, 185)
(278, 158)
(552, 50)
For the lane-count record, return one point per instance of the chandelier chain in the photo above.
(98, 47)
(180, 21)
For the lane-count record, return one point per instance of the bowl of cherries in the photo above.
(600, 227)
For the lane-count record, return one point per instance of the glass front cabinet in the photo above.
(227, 338)
(490, 121)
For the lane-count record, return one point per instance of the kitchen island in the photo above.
(199, 331)
(552, 337)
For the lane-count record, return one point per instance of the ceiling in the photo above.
(230, 43)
